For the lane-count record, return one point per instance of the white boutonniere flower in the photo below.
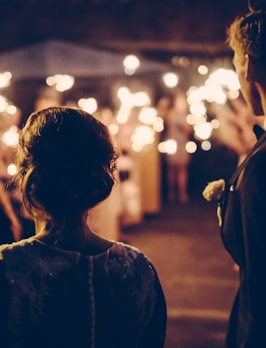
(214, 190)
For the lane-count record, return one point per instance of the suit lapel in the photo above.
(233, 181)
(243, 164)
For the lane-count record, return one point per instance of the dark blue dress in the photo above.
(58, 298)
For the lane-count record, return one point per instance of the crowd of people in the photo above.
(64, 285)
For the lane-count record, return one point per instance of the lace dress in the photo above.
(51, 297)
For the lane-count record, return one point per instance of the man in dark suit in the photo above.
(244, 202)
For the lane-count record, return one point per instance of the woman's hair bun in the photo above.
(66, 160)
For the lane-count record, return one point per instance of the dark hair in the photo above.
(247, 34)
(66, 161)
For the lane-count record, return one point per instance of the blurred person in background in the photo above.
(178, 130)
(66, 286)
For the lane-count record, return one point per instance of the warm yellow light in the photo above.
(206, 145)
(3, 104)
(12, 169)
(158, 124)
(123, 92)
(233, 94)
(10, 137)
(11, 109)
(113, 129)
(131, 64)
(203, 131)
(194, 95)
(62, 82)
(141, 99)
(170, 79)
(215, 123)
(5, 78)
(142, 136)
(169, 146)
(88, 104)
(194, 119)
(198, 109)
(147, 115)
(202, 69)
(125, 96)
(191, 147)
(123, 114)
(225, 77)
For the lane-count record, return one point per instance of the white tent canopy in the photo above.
(59, 57)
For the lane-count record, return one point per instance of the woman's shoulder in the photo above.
(120, 260)
(129, 270)
(8, 249)
(131, 275)
(15, 255)
(124, 259)
(15, 247)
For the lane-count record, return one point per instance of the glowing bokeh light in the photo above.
(62, 82)
(125, 96)
(170, 79)
(123, 92)
(10, 137)
(147, 115)
(142, 135)
(141, 99)
(88, 104)
(113, 128)
(194, 119)
(11, 109)
(203, 70)
(158, 124)
(3, 104)
(233, 94)
(5, 78)
(12, 169)
(131, 64)
(191, 147)
(168, 146)
(215, 123)
(198, 109)
(203, 131)
(194, 95)
(225, 77)
(206, 145)
(123, 114)
(181, 61)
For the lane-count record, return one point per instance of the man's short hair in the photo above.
(247, 34)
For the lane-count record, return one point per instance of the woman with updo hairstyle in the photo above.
(66, 286)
